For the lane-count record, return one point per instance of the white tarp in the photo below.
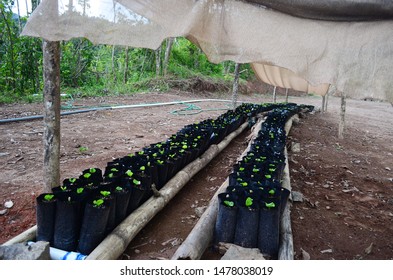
(355, 57)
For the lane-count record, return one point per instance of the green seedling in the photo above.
(244, 184)
(229, 203)
(142, 168)
(119, 189)
(63, 188)
(136, 182)
(49, 197)
(72, 180)
(241, 168)
(160, 162)
(83, 149)
(98, 202)
(184, 147)
(87, 175)
(79, 190)
(255, 170)
(268, 176)
(249, 201)
(105, 193)
(110, 175)
(114, 169)
(129, 173)
(92, 170)
(272, 192)
(270, 205)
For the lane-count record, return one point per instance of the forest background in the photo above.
(98, 70)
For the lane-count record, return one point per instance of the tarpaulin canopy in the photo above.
(346, 43)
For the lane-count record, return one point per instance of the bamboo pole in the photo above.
(116, 242)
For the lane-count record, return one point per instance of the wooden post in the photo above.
(326, 101)
(235, 87)
(51, 137)
(286, 95)
(341, 126)
(274, 94)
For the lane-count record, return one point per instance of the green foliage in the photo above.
(98, 70)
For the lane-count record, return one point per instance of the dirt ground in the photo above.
(346, 213)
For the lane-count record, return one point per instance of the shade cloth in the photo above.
(354, 56)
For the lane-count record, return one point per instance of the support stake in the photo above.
(51, 137)
(341, 126)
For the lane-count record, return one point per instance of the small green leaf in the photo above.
(105, 193)
(118, 188)
(272, 169)
(110, 175)
(92, 170)
(255, 170)
(140, 152)
(160, 161)
(86, 175)
(241, 169)
(114, 170)
(72, 180)
(184, 147)
(79, 190)
(249, 201)
(270, 205)
(229, 203)
(142, 168)
(63, 188)
(136, 182)
(129, 173)
(268, 176)
(49, 197)
(98, 202)
(272, 192)
(244, 184)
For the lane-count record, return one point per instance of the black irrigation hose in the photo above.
(29, 118)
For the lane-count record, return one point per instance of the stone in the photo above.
(22, 251)
(239, 253)
(199, 210)
(295, 147)
(297, 196)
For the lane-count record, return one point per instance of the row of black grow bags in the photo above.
(251, 207)
(79, 214)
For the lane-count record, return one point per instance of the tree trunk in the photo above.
(113, 64)
(341, 126)
(158, 61)
(19, 23)
(51, 64)
(169, 43)
(235, 87)
(126, 66)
